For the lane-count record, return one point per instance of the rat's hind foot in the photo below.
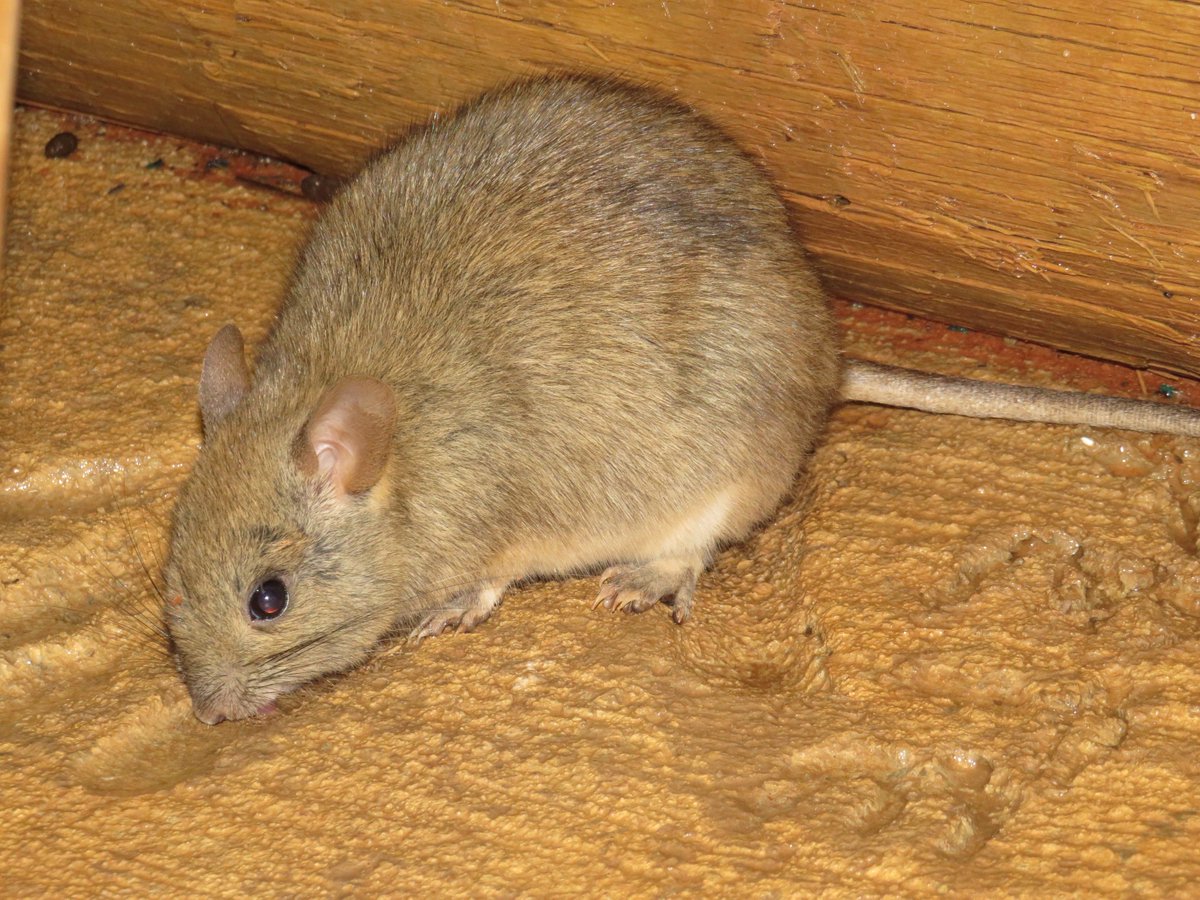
(475, 610)
(637, 588)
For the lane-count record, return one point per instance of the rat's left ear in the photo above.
(224, 379)
(349, 435)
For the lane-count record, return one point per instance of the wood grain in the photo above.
(10, 12)
(1025, 168)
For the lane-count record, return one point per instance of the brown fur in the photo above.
(604, 346)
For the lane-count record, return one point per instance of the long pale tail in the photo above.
(890, 386)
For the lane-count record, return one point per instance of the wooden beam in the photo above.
(1030, 169)
(10, 17)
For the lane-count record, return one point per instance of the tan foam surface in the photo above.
(964, 658)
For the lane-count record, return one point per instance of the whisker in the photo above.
(141, 559)
(296, 649)
(150, 626)
(139, 607)
(157, 527)
(141, 636)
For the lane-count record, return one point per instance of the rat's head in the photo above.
(278, 570)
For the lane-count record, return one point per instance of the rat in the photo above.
(567, 329)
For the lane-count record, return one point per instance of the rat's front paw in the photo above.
(475, 611)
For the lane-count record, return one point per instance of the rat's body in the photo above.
(568, 328)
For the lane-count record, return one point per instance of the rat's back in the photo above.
(583, 270)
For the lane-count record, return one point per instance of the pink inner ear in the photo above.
(349, 437)
(327, 459)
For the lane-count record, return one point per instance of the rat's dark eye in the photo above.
(269, 599)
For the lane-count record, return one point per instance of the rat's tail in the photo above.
(866, 382)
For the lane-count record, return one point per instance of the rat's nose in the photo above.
(207, 715)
